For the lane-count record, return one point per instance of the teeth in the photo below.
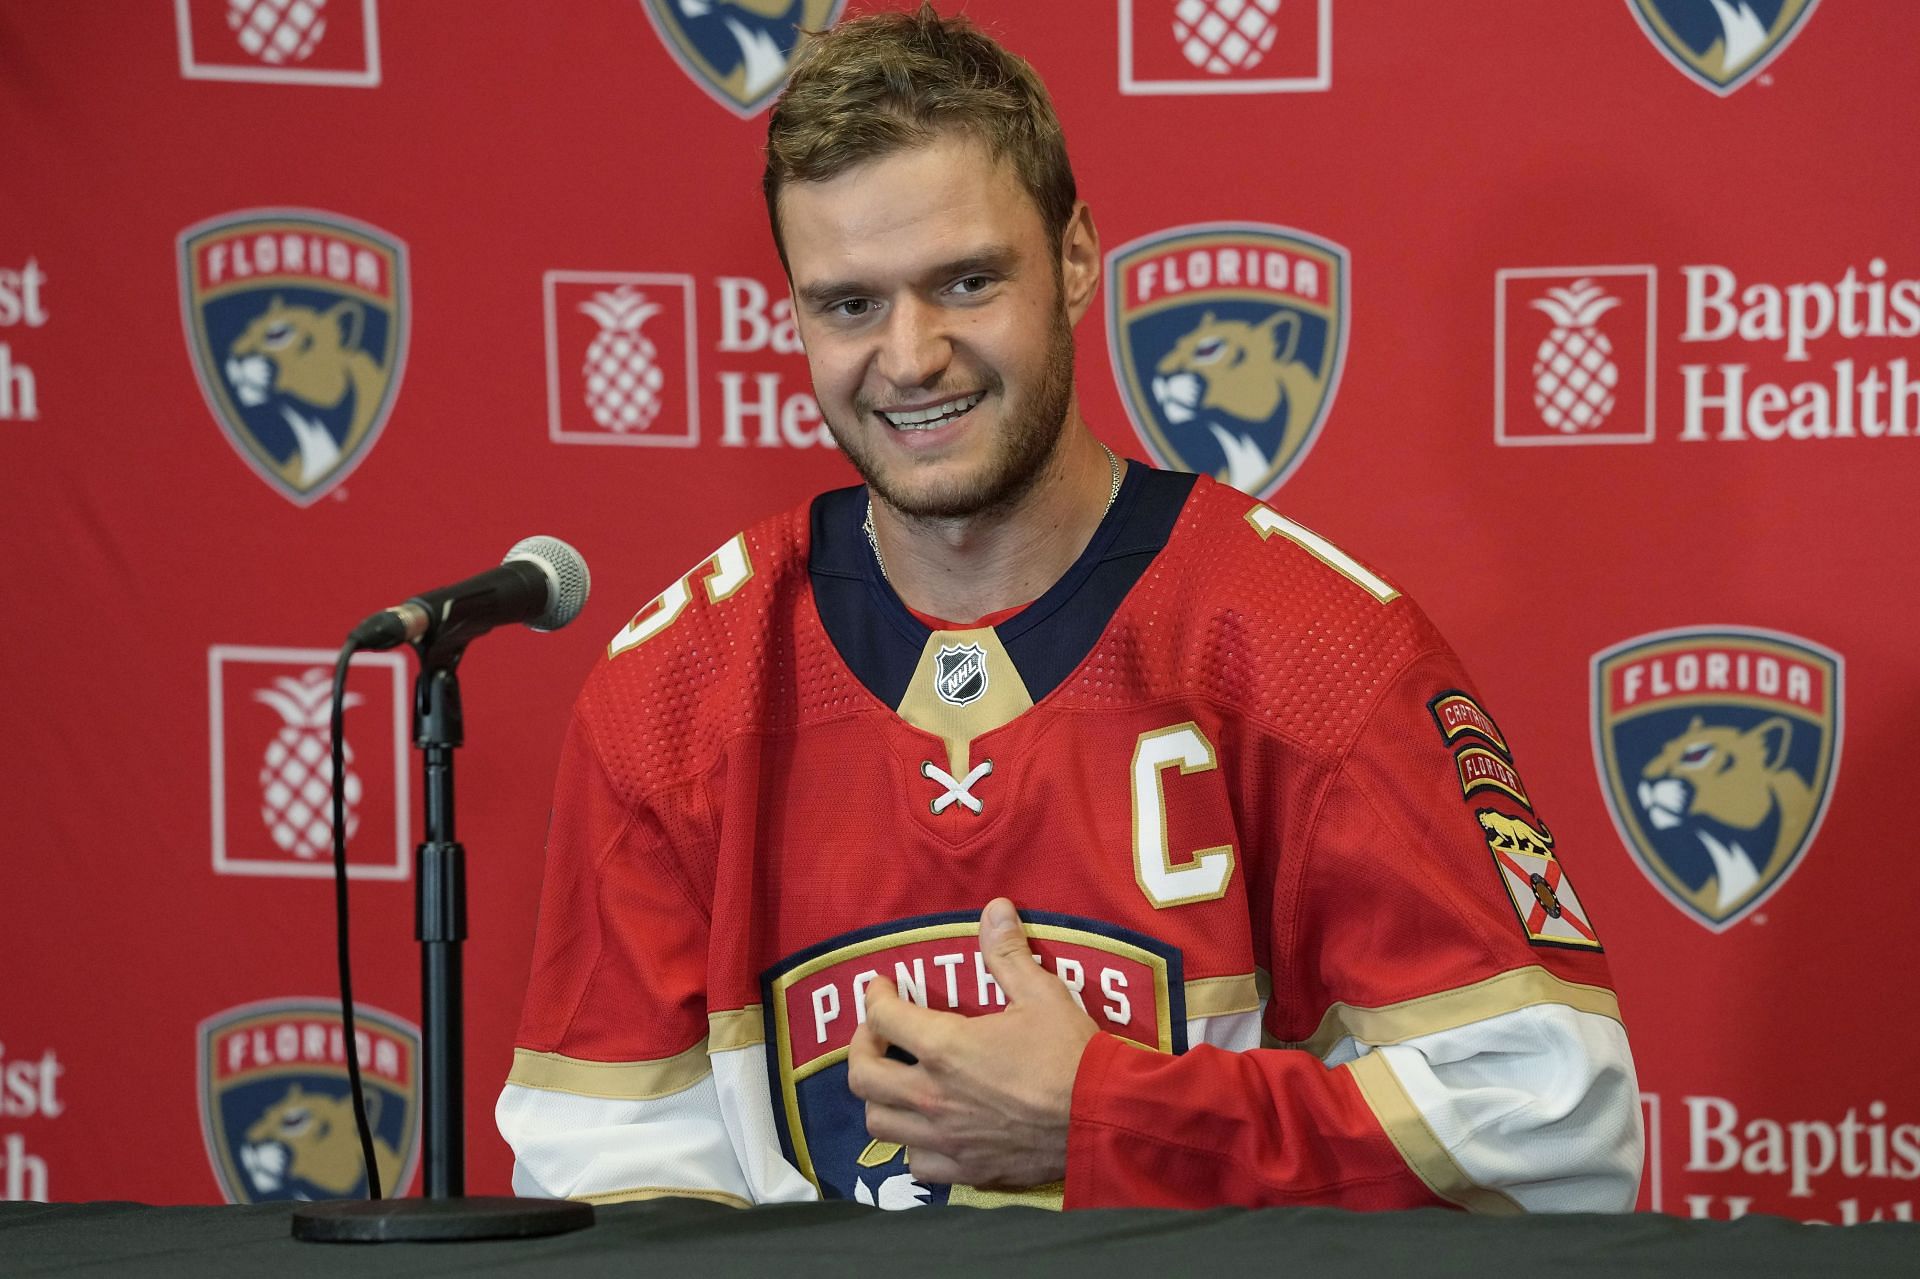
(927, 419)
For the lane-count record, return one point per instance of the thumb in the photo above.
(1004, 943)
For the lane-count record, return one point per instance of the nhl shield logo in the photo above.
(1227, 340)
(739, 51)
(276, 1108)
(1129, 983)
(960, 673)
(1717, 749)
(1722, 44)
(297, 324)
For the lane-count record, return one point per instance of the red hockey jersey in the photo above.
(1251, 809)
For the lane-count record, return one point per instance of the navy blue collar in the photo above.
(881, 640)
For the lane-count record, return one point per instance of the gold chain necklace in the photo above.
(1114, 474)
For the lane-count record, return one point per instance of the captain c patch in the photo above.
(1129, 983)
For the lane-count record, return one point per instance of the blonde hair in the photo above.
(886, 82)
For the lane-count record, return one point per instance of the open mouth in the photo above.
(936, 415)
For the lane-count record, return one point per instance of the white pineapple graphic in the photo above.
(278, 31)
(1573, 370)
(1220, 36)
(296, 773)
(622, 369)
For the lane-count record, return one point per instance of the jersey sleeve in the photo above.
(1441, 1029)
(612, 1094)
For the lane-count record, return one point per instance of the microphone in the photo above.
(542, 582)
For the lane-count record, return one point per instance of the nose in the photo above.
(914, 346)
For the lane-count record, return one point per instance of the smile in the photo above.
(928, 418)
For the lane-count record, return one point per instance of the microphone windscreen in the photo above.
(566, 573)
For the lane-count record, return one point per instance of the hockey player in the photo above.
(1269, 916)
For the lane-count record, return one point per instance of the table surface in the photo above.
(688, 1237)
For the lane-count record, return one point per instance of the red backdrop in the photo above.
(433, 192)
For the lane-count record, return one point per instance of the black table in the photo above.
(680, 1237)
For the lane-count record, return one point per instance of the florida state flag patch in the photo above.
(1129, 983)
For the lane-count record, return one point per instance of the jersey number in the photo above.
(1267, 523)
(726, 571)
(1201, 876)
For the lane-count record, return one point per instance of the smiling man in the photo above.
(1023, 825)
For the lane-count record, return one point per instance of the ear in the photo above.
(348, 318)
(1774, 734)
(1079, 262)
(1697, 725)
(1283, 345)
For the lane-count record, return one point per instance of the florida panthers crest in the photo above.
(1721, 44)
(1717, 749)
(739, 51)
(1227, 340)
(297, 325)
(1129, 983)
(275, 1105)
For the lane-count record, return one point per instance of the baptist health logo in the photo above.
(315, 42)
(272, 768)
(1574, 355)
(1225, 46)
(624, 362)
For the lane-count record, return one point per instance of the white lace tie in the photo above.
(957, 791)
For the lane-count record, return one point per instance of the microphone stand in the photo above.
(440, 926)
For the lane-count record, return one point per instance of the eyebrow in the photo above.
(996, 258)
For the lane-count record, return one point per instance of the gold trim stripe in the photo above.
(735, 1028)
(618, 1080)
(1222, 996)
(663, 1192)
(1505, 993)
(1407, 1129)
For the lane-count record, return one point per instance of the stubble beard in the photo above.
(1028, 439)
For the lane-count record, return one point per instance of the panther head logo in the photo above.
(311, 1137)
(311, 361)
(1249, 372)
(1734, 792)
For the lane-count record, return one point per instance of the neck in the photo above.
(974, 565)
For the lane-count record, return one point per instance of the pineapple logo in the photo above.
(637, 381)
(1574, 376)
(278, 31)
(272, 767)
(1224, 36)
(1559, 377)
(622, 371)
(296, 773)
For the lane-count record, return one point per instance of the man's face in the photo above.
(937, 313)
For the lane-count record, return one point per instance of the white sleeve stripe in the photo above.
(1539, 1103)
(1407, 1129)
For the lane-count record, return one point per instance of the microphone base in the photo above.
(432, 1220)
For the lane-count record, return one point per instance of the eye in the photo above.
(968, 285)
(294, 1122)
(1696, 755)
(278, 335)
(851, 308)
(1209, 351)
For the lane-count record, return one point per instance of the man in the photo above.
(1292, 932)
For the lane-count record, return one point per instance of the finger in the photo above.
(930, 1165)
(1009, 958)
(900, 1125)
(903, 1023)
(876, 1078)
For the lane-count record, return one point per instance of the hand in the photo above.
(987, 1101)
